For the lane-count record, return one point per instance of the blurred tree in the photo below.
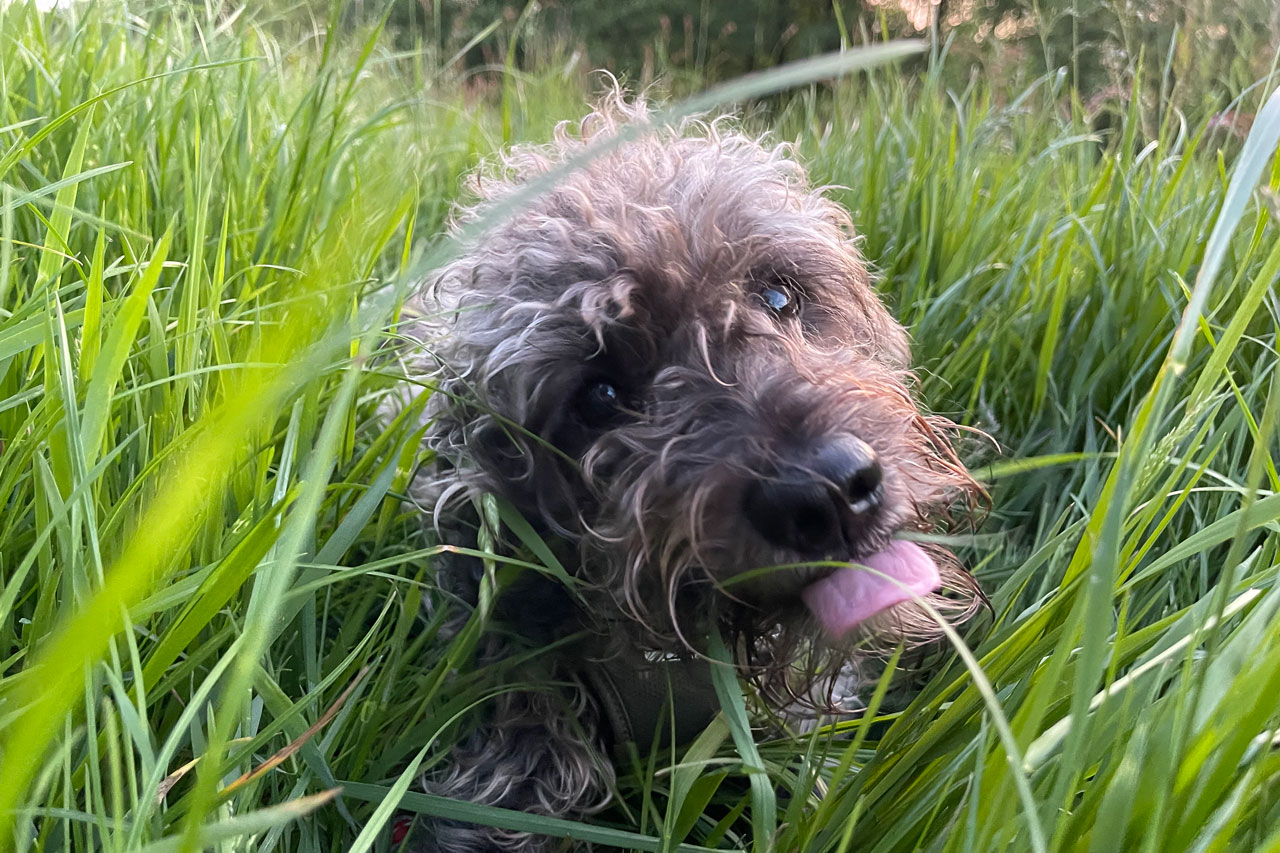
(636, 38)
(1196, 52)
(1193, 54)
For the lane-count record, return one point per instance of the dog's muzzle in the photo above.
(817, 506)
(814, 504)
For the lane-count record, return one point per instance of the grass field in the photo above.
(211, 613)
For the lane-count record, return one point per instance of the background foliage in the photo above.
(1191, 55)
(210, 615)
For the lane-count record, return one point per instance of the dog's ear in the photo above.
(874, 327)
(480, 451)
(834, 252)
(893, 344)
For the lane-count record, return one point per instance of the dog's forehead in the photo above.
(693, 237)
(701, 203)
(683, 278)
(668, 238)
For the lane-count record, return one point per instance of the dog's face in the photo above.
(676, 359)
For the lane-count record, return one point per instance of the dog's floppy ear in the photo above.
(890, 342)
(874, 328)
(479, 451)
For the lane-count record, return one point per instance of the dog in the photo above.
(673, 365)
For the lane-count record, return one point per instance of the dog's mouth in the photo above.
(850, 596)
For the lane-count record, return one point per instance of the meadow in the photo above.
(211, 615)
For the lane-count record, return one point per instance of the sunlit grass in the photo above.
(211, 603)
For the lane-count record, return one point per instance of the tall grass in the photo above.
(211, 604)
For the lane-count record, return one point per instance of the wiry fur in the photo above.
(538, 755)
(645, 267)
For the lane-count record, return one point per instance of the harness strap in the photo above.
(648, 702)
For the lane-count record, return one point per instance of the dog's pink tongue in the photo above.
(851, 596)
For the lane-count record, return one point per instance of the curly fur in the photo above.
(645, 268)
(538, 755)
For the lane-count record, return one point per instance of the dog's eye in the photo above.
(600, 403)
(780, 299)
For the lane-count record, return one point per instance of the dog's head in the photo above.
(675, 358)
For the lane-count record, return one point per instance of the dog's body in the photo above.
(673, 365)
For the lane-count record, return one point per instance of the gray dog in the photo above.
(674, 366)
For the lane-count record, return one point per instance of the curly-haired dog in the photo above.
(673, 364)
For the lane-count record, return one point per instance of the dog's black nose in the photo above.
(808, 506)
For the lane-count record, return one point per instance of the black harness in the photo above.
(653, 702)
(645, 698)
